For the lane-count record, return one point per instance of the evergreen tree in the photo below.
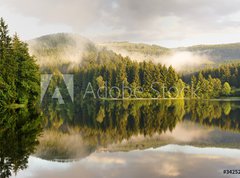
(27, 82)
(19, 74)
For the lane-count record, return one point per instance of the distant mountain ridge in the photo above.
(146, 49)
(218, 52)
(65, 47)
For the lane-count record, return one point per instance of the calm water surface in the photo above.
(123, 139)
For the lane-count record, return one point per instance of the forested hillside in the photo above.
(102, 67)
(147, 50)
(226, 73)
(58, 49)
(217, 53)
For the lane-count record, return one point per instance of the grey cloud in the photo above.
(75, 13)
(133, 19)
(187, 16)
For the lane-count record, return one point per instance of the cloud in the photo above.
(140, 21)
(76, 13)
(173, 19)
(168, 170)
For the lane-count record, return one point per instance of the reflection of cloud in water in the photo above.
(224, 152)
(139, 164)
(187, 132)
(104, 160)
(168, 169)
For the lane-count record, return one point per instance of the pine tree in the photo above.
(28, 75)
(7, 66)
(172, 77)
(19, 74)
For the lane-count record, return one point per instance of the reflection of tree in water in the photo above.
(100, 123)
(125, 119)
(223, 115)
(18, 132)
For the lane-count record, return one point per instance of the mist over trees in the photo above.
(20, 75)
(107, 69)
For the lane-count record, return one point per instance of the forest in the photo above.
(103, 69)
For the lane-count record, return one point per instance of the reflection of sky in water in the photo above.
(166, 161)
(186, 133)
(188, 149)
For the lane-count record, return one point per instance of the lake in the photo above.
(94, 139)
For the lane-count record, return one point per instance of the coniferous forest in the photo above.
(20, 75)
(102, 68)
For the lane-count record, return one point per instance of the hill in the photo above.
(145, 49)
(179, 59)
(64, 48)
(218, 52)
(61, 48)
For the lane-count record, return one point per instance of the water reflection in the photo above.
(18, 132)
(76, 132)
(115, 138)
(153, 163)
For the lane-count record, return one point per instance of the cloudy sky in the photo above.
(169, 23)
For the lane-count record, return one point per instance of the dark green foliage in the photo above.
(226, 73)
(19, 76)
(18, 132)
(205, 88)
(118, 71)
(55, 55)
(112, 70)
